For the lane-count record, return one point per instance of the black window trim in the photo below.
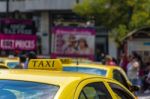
(109, 83)
(124, 79)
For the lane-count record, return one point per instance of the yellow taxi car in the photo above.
(52, 83)
(114, 72)
(9, 62)
(3, 66)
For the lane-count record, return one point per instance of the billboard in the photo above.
(17, 34)
(17, 26)
(17, 42)
(73, 42)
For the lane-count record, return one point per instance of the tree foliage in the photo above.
(120, 16)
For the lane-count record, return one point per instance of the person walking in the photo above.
(124, 61)
(109, 61)
(22, 60)
(146, 80)
(31, 55)
(133, 70)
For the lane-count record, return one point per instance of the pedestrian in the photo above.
(133, 70)
(142, 65)
(124, 62)
(22, 60)
(146, 79)
(100, 56)
(30, 55)
(109, 61)
(97, 56)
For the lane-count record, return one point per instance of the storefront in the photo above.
(141, 46)
(139, 42)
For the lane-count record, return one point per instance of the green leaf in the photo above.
(120, 16)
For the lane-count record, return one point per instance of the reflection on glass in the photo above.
(10, 89)
(86, 70)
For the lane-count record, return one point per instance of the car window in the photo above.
(10, 89)
(95, 91)
(101, 72)
(12, 64)
(120, 78)
(120, 92)
(82, 95)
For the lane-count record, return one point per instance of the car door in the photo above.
(92, 89)
(120, 91)
(117, 75)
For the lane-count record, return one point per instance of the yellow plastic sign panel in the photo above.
(66, 60)
(45, 64)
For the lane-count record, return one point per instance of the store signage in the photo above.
(17, 42)
(17, 34)
(17, 26)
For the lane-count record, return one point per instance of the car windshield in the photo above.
(12, 64)
(10, 89)
(101, 72)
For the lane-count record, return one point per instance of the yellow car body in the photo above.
(69, 85)
(3, 66)
(9, 62)
(113, 72)
(44, 79)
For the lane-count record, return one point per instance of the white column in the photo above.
(112, 48)
(45, 35)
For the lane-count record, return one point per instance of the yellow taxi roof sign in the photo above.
(45, 64)
(66, 60)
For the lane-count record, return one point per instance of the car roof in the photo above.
(60, 78)
(9, 59)
(92, 65)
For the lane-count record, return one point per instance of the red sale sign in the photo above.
(19, 42)
(17, 34)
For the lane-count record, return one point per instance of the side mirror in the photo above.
(134, 88)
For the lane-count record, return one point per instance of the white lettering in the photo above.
(27, 44)
(17, 29)
(7, 44)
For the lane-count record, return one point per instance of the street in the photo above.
(144, 96)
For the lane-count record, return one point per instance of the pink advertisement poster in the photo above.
(19, 42)
(73, 42)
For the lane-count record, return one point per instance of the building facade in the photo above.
(46, 14)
